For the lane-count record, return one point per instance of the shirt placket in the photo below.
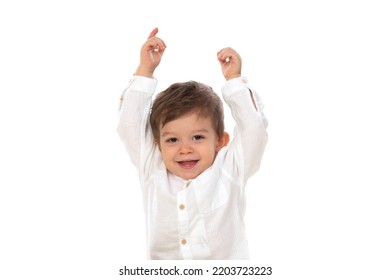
(183, 225)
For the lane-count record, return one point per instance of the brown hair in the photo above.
(182, 98)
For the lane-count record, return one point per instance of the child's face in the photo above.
(189, 145)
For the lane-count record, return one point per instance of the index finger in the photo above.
(153, 33)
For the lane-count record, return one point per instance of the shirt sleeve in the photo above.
(133, 127)
(250, 132)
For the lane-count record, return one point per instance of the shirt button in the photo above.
(183, 242)
(182, 207)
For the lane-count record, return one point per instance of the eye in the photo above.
(198, 137)
(172, 140)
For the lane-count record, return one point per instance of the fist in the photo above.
(230, 62)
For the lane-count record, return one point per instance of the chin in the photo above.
(188, 176)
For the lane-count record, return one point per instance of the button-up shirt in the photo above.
(202, 218)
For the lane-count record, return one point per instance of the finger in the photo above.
(224, 55)
(158, 44)
(153, 33)
(161, 42)
(155, 41)
(229, 57)
(155, 46)
(224, 58)
(228, 51)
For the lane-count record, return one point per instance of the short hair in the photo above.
(180, 99)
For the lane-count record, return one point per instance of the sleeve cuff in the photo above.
(143, 84)
(234, 85)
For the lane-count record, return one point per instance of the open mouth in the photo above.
(187, 164)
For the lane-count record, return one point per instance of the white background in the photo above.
(70, 203)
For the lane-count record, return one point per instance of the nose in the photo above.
(185, 148)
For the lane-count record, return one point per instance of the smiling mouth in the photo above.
(187, 164)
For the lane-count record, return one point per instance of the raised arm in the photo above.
(136, 100)
(250, 135)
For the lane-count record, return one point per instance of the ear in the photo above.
(223, 141)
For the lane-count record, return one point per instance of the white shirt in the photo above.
(201, 218)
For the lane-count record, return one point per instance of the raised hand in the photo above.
(230, 62)
(151, 53)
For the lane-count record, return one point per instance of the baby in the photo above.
(192, 179)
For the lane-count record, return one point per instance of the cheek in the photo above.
(166, 152)
(216, 146)
(211, 151)
(163, 151)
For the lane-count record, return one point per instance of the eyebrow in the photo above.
(193, 132)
